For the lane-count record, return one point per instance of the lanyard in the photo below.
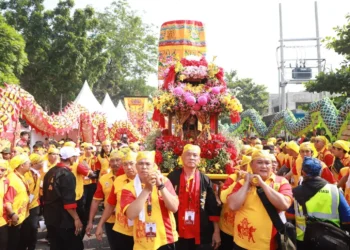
(149, 205)
(190, 190)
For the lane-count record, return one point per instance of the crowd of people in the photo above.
(68, 183)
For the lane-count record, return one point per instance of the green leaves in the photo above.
(12, 54)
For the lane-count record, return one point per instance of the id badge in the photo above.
(31, 197)
(189, 217)
(151, 230)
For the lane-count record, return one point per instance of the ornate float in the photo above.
(191, 97)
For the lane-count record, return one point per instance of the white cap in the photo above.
(76, 152)
(67, 152)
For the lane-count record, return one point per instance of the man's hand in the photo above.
(151, 182)
(78, 226)
(14, 219)
(257, 181)
(89, 228)
(216, 240)
(159, 178)
(99, 232)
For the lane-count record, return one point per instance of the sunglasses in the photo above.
(3, 169)
(304, 151)
(337, 148)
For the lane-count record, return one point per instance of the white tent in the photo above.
(121, 113)
(87, 99)
(109, 109)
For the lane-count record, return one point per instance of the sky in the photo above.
(244, 35)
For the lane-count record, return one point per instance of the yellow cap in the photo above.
(53, 151)
(283, 145)
(293, 146)
(69, 144)
(116, 154)
(322, 138)
(261, 154)
(272, 140)
(245, 160)
(250, 151)
(106, 142)
(18, 160)
(35, 158)
(149, 155)
(308, 146)
(4, 164)
(134, 146)
(19, 150)
(98, 143)
(114, 142)
(270, 143)
(87, 145)
(193, 148)
(259, 146)
(130, 156)
(257, 141)
(342, 144)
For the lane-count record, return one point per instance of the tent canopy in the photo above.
(87, 99)
(109, 109)
(121, 113)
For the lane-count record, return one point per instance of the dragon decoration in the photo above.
(17, 103)
(321, 112)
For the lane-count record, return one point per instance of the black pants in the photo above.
(14, 233)
(3, 237)
(89, 191)
(111, 236)
(226, 241)
(64, 239)
(124, 242)
(29, 230)
(82, 214)
(189, 244)
(170, 246)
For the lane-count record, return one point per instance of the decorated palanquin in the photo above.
(191, 97)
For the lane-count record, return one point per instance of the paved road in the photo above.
(89, 242)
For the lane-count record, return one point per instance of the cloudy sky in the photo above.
(244, 34)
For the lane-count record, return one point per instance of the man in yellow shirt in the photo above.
(150, 201)
(120, 237)
(253, 228)
(17, 203)
(29, 229)
(4, 184)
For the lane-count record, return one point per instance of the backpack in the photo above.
(320, 234)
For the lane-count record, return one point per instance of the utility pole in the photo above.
(282, 81)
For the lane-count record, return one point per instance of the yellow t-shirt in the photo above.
(121, 222)
(104, 187)
(20, 195)
(227, 216)
(163, 219)
(104, 164)
(253, 228)
(90, 161)
(4, 184)
(33, 180)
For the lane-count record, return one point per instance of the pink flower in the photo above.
(202, 100)
(191, 100)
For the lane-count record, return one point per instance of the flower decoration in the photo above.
(216, 154)
(194, 85)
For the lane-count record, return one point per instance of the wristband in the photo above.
(161, 186)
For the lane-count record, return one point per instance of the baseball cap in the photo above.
(312, 166)
(67, 152)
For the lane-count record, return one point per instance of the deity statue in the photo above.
(190, 128)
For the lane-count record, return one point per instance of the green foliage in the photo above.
(63, 49)
(12, 54)
(133, 53)
(250, 94)
(338, 81)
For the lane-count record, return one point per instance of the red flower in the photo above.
(158, 157)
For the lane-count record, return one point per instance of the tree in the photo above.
(133, 53)
(64, 50)
(337, 81)
(12, 55)
(250, 94)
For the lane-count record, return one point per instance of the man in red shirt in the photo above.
(321, 145)
(198, 202)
